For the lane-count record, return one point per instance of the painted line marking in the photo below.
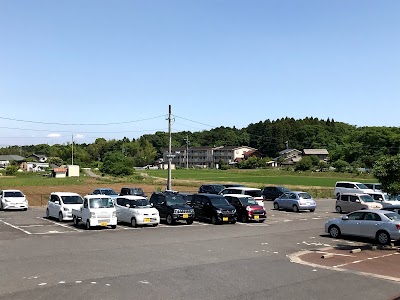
(59, 224)
(16, 227)
(37, 225)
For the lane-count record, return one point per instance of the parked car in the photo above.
(172, 207)
(348, 202)
(374, 186)
(96, 210)
(393, 208)
(381, 225)
(136, 210)
(295, 201)
(13, 199)
(273, 192)
(253, 192)
(60, 205)
(211, 188)
(351, 187)
(105, 191)
(384, 199)
(134, 191)
(227, 185)
(247, 208)
(213, 208)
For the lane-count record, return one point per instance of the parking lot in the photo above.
(47, 259)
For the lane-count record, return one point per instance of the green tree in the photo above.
(305, 164)
(387, 171)
(55, 161)
(116, 164)
(11, 170)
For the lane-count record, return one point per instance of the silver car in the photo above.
(382, 225)
(295, 201)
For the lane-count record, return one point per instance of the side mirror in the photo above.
(127, 205)
(161, 203)
(151, 204)
(358, 201)
(380, 199)
(57, 202)
(345, 217)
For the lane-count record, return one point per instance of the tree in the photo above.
(115, 163)
(304, 164)
(55, 161)
(387, 171)
(11, 170)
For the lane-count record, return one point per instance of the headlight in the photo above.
(234, 211)
(92, 214)
(192, 211)
(219, 211)
(248, 208)
(176, 211)
(114, 214)
(6, 200)
(65, 208)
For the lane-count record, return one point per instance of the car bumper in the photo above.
(395, 235)
(307, 207)
(7, 205)
(147, 220)
(226, 218)
(185, 217)
(103, 222)
(67, 216)
(257, 217)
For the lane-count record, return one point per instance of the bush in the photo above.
(11, 170)
(116, 164)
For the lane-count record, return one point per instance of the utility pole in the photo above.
(169, 156)
(187, 151)
(72, 149)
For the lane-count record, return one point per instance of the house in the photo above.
(38, 157)
(59, 172)
(5, 160)
(289, 157)
(34, 166)
(321, 153)
(206, 156)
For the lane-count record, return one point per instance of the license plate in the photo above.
(146, 220)
(185, 216)
(225, 219)
(256, 217)
(103, 224)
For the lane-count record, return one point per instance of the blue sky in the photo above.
(218, 63)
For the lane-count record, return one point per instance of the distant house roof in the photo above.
(315, 152)
(11, 157)
(288, 151)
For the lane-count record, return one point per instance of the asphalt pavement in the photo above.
(46, 259)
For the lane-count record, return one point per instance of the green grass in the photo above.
(36, 179)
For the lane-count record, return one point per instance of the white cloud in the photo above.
(79, 136)
(54, 135)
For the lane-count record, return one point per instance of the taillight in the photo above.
(398, 226)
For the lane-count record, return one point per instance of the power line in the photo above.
(194, 121)
(78, 131)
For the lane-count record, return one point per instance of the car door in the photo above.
(351, 226)
(370, 224)
(207, 210)
(57, 205)
(284, 199)
(354, 203)
(119, 209)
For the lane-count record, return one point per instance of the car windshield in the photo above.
(254, 193)
(361, 186)
(248, 201)
(109, 192)
(305, 196)
(367, 198)
(139, 203)
(13, 194)
(393, 216)
(72, 199)
(218, 187)
(137, 192)
(219, 201)
(378, 186)
(175, 199)
(101, 203)
(283, 189)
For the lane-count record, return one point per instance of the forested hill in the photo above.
(359, 146)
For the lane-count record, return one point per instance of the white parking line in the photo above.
(59, 224)
(16, 227)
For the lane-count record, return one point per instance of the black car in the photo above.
(211, 188)
(134, 191)
(247, 208)
(273, 192)
(172, 207)
(227, 185)
(213, 208)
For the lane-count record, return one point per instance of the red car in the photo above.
(247, 208)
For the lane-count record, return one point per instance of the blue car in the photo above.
(295, 201)
(105, 191)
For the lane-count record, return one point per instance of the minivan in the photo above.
(348, 202)
(351, 187)
(253, 192)
(214, 208)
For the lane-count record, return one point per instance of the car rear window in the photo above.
(255, 193)
(305, 196)
(72, 199)
(393, 216)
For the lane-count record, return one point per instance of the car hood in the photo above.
(15, 199)
(255, 207)
(224, 207)
(181, 206)
(145, 210)
(73, 206)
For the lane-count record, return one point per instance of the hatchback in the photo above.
(60, 205)
(247, 208)
(348, 202)
(13, 199)
(295, 201)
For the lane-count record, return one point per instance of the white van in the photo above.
(136, 210)
(351, 187)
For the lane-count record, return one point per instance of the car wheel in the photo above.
(170, 219)
(262, 221)
(338, 209)
(25, 209)
(113, 226)
(243, 219)
(276, 206)
(312, 210)
(155, 225)
(233, 222)
(88, 225)
(1, 205)
(295, 208)
(334, 231)
(383, 237)
(214, 220)
(189, 222)
(47, 214)
(60, 217)
(133, 222)
(75, 219)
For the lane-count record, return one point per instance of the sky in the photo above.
(82, 69)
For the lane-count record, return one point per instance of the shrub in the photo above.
(11, 170)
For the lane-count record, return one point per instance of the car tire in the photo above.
(169, 219)
(334, 231)
(295, 208)
(134, 223)
(312, 210)
(113, 226)
(75, 220)
(155, 225)
(262, 221)
(1, 205)
(383, 237)
(214, 220)
(60, 217)
(243, 219)
(47, 214)
(88, 225)
(338, 209)
(276, 206)
(189, 222)
(25, 209)
(233, 222)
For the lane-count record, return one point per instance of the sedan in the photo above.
(295, 201)
(381, 225)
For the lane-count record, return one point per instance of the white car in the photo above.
(136, 210)
(13, 199)
(382, 225)
(60, 205)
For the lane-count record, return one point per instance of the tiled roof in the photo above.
(11, 157)
(315, 152)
